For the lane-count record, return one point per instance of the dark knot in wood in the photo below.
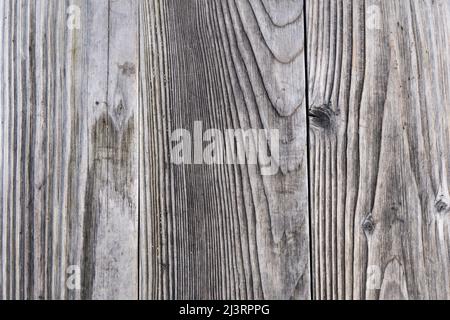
(442, 203)
(321, 117)
(368, 224)
(441, 206)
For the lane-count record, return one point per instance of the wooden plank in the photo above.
(379, 103)
(222, 231)
(68, 163)
(73, 138)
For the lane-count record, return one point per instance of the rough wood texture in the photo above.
(68, 162)
(92, 90)
(220, 231)
(379, 79)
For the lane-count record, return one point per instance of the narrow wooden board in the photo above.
(379, 80)
(222, 231)
(68, 156)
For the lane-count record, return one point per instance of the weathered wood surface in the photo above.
(68, 159)
(379, 80)
(221, 231)
(92, 90)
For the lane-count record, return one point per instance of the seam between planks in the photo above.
(308, 148)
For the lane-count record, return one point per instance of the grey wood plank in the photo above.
(222, 231)
(68, 159)
(379, 103)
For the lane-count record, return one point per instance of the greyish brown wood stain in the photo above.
(93, 207)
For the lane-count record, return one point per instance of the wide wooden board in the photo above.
(223, 231)
(379, 79)
(68, 156)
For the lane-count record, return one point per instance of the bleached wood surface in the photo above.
(221, 231)
(91, 91)
(68, 158)
(379, 80)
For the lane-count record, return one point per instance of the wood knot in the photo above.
(442, 203)
(441, 206)
(368, 224)
(321, 117)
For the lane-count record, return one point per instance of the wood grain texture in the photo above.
(88, 179)
(222, 231)
(379, 79)
(68, 162)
